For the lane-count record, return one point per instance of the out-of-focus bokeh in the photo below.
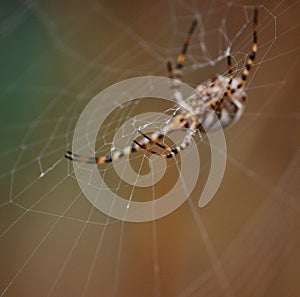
(55, 57)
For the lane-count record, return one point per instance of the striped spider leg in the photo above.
(218, 101)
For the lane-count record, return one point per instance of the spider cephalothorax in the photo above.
(219, 101)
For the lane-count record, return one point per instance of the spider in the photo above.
(221, 95)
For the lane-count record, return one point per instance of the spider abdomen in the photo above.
(211, 110)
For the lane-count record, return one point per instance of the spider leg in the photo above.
(104, 159)
(176, 75)
(229, 65)
(152, 142)
(250, 60)
(114, 156)
(230, 91)
(219, 104)
(170, 70)
(176, 123)
(79, 158)
(145, 148)
(171, 152)
(182, 55)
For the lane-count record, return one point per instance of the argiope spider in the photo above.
(225, 97)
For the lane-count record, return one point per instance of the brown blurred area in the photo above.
(245, 242)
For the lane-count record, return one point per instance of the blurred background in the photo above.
(55, 57)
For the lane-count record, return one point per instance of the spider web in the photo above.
(56, 58)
